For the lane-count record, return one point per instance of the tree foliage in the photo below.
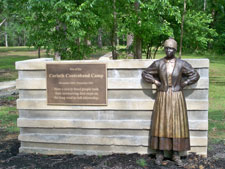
(71, 28)
(59, 25)
(217, 8)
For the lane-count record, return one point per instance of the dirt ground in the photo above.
(11, 159)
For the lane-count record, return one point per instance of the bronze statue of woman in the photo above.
(169, 127)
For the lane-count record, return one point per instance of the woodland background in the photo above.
(73, 29)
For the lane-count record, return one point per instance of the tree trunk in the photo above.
(182, 30)
(149, 51)
(24, 38)
(138, 41)
(61, 28)
(77, 43)
(156, 50)
(114, 54)
(205, 3)
(13, 39)
(2, 22)
(57, 56)
(20, 41)
(130, 39)
(6, 35)
(87, 41)
(39, 52)
(124, 41)
(138, 48)
(129, 42)
(100, 38)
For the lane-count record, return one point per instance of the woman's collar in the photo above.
(170, 60)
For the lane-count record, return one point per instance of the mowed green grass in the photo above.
(8, 117)
(217, 100)
(8, 57)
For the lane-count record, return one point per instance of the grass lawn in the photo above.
(8, 117)
(217, 100)
(8, 57)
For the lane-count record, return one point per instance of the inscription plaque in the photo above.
(76, 84)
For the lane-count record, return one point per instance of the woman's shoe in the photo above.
(177, 160)
(159, 158)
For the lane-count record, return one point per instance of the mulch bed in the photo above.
(10, 159)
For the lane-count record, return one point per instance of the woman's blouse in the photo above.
(169, 67)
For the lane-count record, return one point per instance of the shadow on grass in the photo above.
(8, 62)
(16, 49)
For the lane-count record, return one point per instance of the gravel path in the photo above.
(7, 88)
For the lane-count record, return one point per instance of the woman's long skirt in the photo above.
(169, 128)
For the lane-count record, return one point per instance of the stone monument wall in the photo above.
(120, 127)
